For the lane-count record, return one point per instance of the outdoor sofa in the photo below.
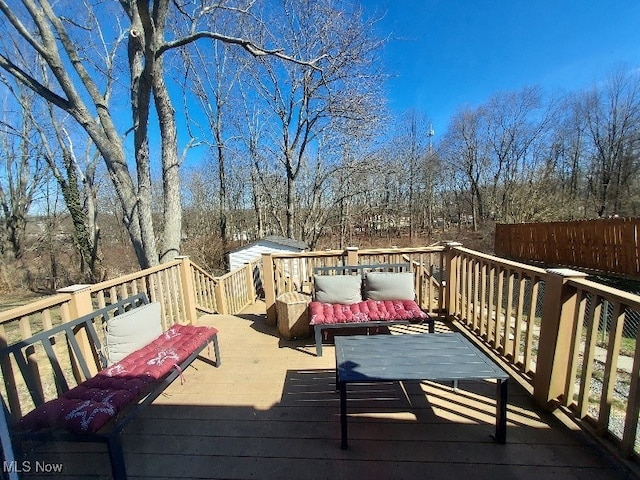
(363, 296)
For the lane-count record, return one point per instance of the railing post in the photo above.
(6, 368)
(556, 327)
(188, 289)
(419, 275)
(221, 298)
(352, 255)
(451, 287)
(80, 304)
(269, 289)
(251, 287)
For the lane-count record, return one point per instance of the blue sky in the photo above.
(449, 53)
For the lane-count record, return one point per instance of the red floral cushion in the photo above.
(365, 311)
(90, 405)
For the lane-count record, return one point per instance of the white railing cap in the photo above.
(566, 272)
(74, 288)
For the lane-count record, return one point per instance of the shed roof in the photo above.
(278, 240)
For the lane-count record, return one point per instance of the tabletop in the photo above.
(432, 356)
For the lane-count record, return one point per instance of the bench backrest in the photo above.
(363, 269)
(23, 350)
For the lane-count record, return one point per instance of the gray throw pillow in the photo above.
(342, 289)
(132, 330)
(389, 286)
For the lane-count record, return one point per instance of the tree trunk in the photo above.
(290, 207)
(222, 186)
(84, 242)
(172, 231)
(142, 49)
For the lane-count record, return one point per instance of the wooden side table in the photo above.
(293, 315)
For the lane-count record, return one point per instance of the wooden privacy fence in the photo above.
(606, 245)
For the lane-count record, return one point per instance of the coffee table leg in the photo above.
(318, 334)
(501, 411)
(343, 415)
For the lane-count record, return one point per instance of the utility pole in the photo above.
(430, 134)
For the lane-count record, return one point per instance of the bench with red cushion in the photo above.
(365, 314)
(366, 311)
(99, 407)
(88, 407)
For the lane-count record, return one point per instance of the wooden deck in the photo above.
(271, 412)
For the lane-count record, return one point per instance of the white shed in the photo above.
(269, 244)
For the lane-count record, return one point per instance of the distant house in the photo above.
(270, 244)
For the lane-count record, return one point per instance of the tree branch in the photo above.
(33, 84)
(248, 45)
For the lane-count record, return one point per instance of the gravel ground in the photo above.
(620, 392)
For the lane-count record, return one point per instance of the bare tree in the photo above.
(21, 166)
(516, 121)
(500, 147)
(79, 189)
(465, 150)
(329, 184)
(567, 158)
(411, 149)
(62, 38)
(613, 113)
(306, 103)
(211, 77)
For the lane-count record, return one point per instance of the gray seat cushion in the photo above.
(342, 289)
(389, 286)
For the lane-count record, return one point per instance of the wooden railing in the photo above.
(237, 288)
(498, 300)
(287, 272)
(572, 339)
(227, 294)
(205, 290)
(21, 323)
(182, 288)
(164, 284)
(598, 359)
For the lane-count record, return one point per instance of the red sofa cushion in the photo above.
(91, 404)
(365, 311)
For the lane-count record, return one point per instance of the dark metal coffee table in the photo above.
(433, 356)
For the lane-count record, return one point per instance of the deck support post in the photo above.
(251, 286)
(352, 255)
(221, 298)
(80, 304)
(269, 289)
(188, 290)
(556, 333)
(451, 287)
